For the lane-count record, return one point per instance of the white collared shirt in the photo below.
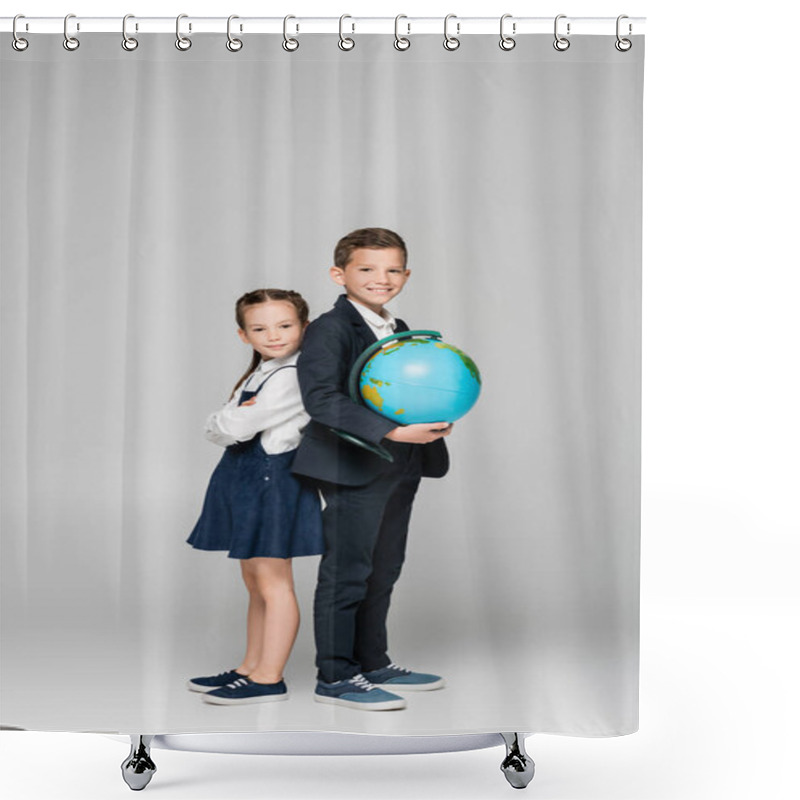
(382, 325)
(277, 413)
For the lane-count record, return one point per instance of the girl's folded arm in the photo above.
(274, 405)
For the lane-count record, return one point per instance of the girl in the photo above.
(254, 507)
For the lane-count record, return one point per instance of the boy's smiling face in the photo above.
(373, 276)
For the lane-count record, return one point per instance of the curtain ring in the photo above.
(18, 43)
(182, 42)
(451, 42)
(561, 43)
(70, 42)
(233, 44)
(345, 42)
(129, 43)
(507, 42)
(401, 42)
(290, 44)
(623, 45)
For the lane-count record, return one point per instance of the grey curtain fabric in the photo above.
(143, 192)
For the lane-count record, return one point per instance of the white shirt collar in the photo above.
(274, 363)
(375, 320)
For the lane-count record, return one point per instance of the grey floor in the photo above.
(718, 720)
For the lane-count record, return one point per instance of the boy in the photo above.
(368, 499)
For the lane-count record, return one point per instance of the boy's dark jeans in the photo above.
(365, 530)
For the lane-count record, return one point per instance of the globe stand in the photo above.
(355, 395)
(378, 449)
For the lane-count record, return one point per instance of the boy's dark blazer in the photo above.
(331, 345)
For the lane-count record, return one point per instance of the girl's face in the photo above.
(272, 329)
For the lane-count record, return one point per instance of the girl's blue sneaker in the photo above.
(357, 692)
(212, 682)
(243, 690)
(404, 680)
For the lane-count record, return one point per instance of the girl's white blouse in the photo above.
(277, 414)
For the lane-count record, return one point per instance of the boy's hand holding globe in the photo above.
(420, 432)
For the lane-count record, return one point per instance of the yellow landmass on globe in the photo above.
(371, 394)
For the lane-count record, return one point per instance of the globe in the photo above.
(420, 379)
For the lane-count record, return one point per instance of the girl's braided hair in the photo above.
(257, 297)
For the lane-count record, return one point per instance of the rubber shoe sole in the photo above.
(239, 701)
(386, 705)
(411, 687)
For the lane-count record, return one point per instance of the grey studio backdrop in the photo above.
(143, 192)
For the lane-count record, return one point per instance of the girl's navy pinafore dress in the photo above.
(255, 507)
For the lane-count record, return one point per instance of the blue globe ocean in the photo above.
(420, 380)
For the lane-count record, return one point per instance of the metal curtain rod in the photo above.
(602, 26)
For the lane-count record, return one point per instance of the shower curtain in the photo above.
(144, 191)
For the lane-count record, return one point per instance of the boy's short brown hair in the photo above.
(373, 238)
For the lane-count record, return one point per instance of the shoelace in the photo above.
(362, 683)
(402, 669)
(237, 683)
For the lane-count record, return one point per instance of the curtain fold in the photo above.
(144, 192)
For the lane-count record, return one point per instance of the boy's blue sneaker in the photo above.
(357, 692)
(213, 681)
(404, 680)
(243, 690)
